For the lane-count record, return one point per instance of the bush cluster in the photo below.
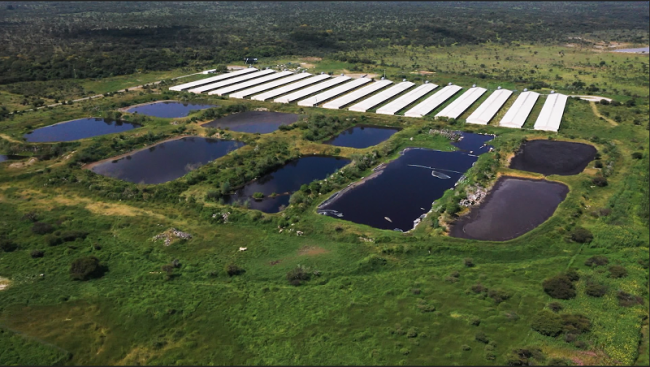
(85, 268)
(559, 287)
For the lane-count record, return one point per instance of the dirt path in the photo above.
(7, 137)
(594, 108)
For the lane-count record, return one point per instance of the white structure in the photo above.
(430, 104)
(288, 88)
(213, 79)
(405, 100)
(357, 94)
(322, 97)
(378, 98)
(485, 112)
(211, 71)
(519, 111)
(239, 79)
(233, 88)
(276, 83)
(457, 107)
(551, 115)
(311, 90)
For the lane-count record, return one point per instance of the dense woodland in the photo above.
(61, 40)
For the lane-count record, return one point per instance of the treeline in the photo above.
(46, 41)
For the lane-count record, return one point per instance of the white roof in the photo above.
(322, 97)
(357, 94)
(432, 102)
(519, 111)
(288, 88)
(236, 80)
(551, 115)
(276, 83)
(486, 111)
(405, 100)
(311, 90)
(462, 103)
(378, 98)
(250, 83)
(213, 79)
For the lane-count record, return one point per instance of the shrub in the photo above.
(627, 300)
(575, 324)
(298, 275)
(573, 275)
(52, 240)
(258, 195)
(481, 337)
(555, 307)
(599, 181)
(468, 262)
(498, 295)
(42, 228)
(232, 269)
(595, 290)
(559, 287)
(466, 347)
(31, 216)
(617, 271)
(596, 260)
(73, 235)
(36, 254)
(476, 321)
(479, 288)
(581, 235)
(8, 245)
(85, 268)
(547, 323)
(637, 155)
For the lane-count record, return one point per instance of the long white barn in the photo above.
(550, 117)
(322, 97)
(213, 79)
(288, 88)
(239, 79)
(429, 104)
(486, 111)
(276, 83)
(250, 83)
(356, 95)
(380, 97)
(457, 107)
(311, 90)
(405, 100)
(519, 111)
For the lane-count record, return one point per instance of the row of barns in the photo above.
(364, 94)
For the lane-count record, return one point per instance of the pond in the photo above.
(513, 207)
(262, 122)
(78, 129)
(634, 50)
(286, 180)
(362, 136)
(475, 144)
(168, 109)
(165, 161)
(550, 157)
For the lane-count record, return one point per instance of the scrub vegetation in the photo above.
(95, 270)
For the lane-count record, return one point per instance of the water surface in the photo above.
(78, 129)
(634, 50)
(550, 157)
(168, 109)
(513, 207)
(10, 157)
(262, 122)
(362, 136)
(166, 161)
(474, 143)
(286, 179)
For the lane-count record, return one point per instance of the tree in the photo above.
(85, 268)
(594, 289)
(559, 287)
(8, 245)
(232, 269)
(581, 235)
(36, 254)
(547, 323)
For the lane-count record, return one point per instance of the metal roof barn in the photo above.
(236, 80)
(288, 88)
(213, 79)
(519, 111)
(486, 111)
(322, 97)
(405, 100)
(432, 102)
(378, 98)
(311, 90)
(551, 115)
(357, 94)
(250, 83)
(457, 107)
(276, 83)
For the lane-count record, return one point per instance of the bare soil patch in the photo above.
(307, 65)
(359, 75)
(312, 58)
(312, 251)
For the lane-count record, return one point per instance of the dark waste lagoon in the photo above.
(362, 136)
(551, 157)
(168, 109)
(166, 161)
(262, 122)
(513, 207)
(398, 195)
(78, 129)
(284, 181)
